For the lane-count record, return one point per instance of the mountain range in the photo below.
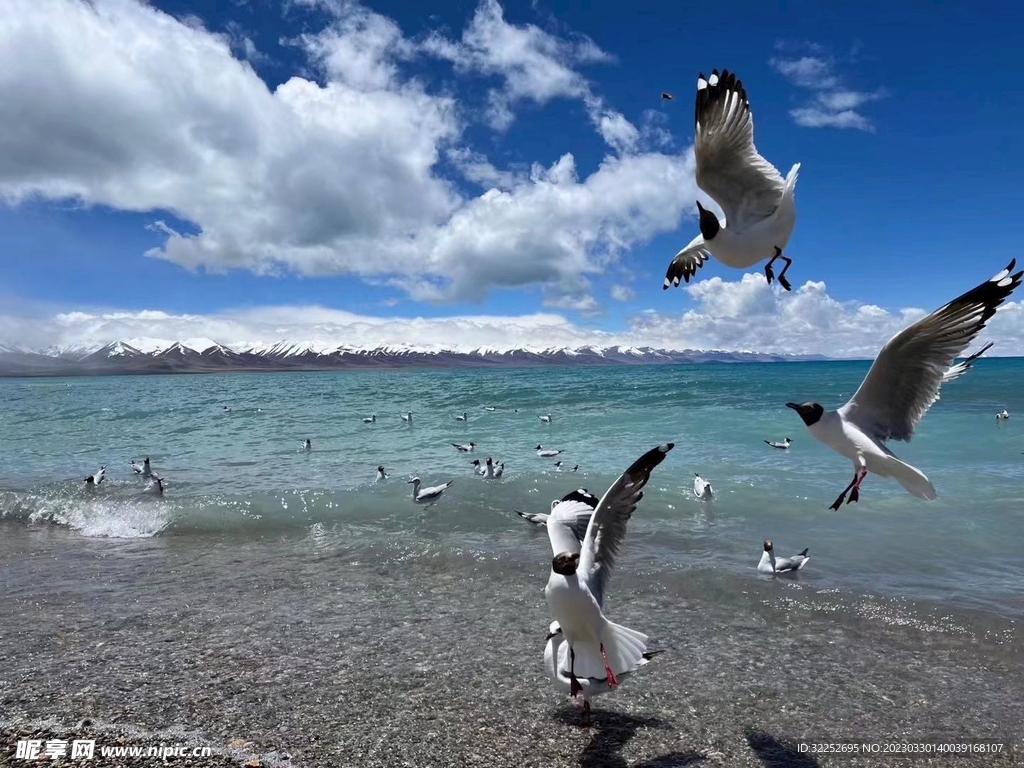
(141, 356)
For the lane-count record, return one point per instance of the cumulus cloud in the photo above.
(832, 104)
(115, 103)
(746, 315)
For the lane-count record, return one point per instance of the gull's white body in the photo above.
(96, 477)
(155, 487)
(545, 453)
(546, 419)
(381, 474)
(463, 417)
(1002, 415)
(407, 417)
(370, 419)
(499, 470)
(783, 446)
(464, 448)
(142, 469)
(478, 467)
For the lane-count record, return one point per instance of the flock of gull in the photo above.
(587, 654)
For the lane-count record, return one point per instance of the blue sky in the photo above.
(360, 186)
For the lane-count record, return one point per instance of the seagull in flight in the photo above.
(902, 385)
(427, 495)
(575, 590)
(772, 564)
(758, 203)
(581, 514)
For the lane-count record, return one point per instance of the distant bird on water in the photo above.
(427, 495)
(464, 448)
(371, 419)
(784, 445)
(96, 478)
(545, 453)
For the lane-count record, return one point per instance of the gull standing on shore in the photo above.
(760, 212)
(575, 590)
(902, 385)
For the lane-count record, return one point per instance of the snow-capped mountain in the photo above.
(147, 355)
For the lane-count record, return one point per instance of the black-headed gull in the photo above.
(463, 417)
(407, 417)
(546, 419)
(702, 488)
(96, 477)
(499, 469)
(758, 203)
(784, 445)
(556, 665)
(142, 469)
(490, 408)
(558, 464)
(464, 448)
(772, 564)
(371, 419)
(308, 445)
(381, 474)
(1003, 415)
(576, 468)
(478, 467)
(427, 495)
(901, 386)
(545, 453)
(579, 574)
(155, 487)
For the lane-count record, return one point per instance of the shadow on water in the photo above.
(613, 732)
(775, 754)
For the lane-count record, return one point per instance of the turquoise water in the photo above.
(240, 473)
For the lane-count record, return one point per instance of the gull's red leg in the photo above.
(612, 680)
(855, 490)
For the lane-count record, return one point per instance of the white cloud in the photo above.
(115, 103)
(746, 315)
(831, 104)
(622, 293)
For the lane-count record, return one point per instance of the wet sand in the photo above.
(280, 653)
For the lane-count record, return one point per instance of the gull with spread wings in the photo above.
(760, 212)
(902, 385)
(598, 648)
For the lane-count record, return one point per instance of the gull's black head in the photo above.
(565, 563)
(489, 461)
(538, 447)
(380, 467)
(709, 226)
(475, 461)
(811, 413)
(146, 461)
(767, 545)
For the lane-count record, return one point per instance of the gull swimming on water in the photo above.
(427, 495)
(1003, 415)
(546, 419)
(156, 486)
(772, 564)
(142, 469)
(381, 474)
(499, 470)
(579, 575)
(371, 419)
(702, 488)
(901, 386)
(557, 662)
(308, 445)
(464, 448)
(463, 417)
(546, 453)
(758, 203)
(407, 417)
(478, 468)
(784, 445)
(96, 478)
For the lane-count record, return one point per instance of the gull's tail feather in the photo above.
(913, 479)
(623, 646)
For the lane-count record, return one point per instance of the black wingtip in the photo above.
(651, 654)
(582, 494)
(804, 553)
